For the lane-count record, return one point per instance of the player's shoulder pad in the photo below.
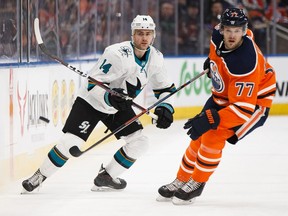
(156, 52)
(250, 34)
(216, 37)
(243, 60)
(156, 56)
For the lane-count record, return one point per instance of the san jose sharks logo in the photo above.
(125, 51)
(133, 90)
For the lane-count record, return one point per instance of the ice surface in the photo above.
(252, 179)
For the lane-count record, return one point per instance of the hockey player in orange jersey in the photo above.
(243, 87)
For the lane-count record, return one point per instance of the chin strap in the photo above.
(141, 49)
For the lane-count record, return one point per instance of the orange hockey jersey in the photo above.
(241, 79)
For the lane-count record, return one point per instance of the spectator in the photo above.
(8, 35)
(182, 26)
(191, 43)
(281, 12)
(167, 26)
(65, 44)
(86, 32)
(8, 30)
(99, 25)
(216, 10)
(47, 24)
(213, 18)
(258, 22)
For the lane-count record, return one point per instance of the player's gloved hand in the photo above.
(201, 123)
(165, 115)
(117, 102)
(206, 65)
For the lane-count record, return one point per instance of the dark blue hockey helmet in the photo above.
(234, 17)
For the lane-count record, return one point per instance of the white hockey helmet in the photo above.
(143, 22)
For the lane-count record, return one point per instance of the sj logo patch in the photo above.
(84, 126)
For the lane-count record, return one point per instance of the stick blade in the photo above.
(75, 151)
(37, 31)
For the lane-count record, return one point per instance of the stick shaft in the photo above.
(75, 151)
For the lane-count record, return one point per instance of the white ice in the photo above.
(252, 179)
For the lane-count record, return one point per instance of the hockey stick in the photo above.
(76, 152)
(96, 82)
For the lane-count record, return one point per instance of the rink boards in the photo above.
(30, 91)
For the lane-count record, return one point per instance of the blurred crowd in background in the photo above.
(81, 29)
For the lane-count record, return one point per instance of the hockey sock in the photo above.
(188, 161)
(120, 163)
(53, 162)
(205, 165)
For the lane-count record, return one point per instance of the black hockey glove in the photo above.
(117, 102)
(201, 123)
(206, 65)
(165, 116)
